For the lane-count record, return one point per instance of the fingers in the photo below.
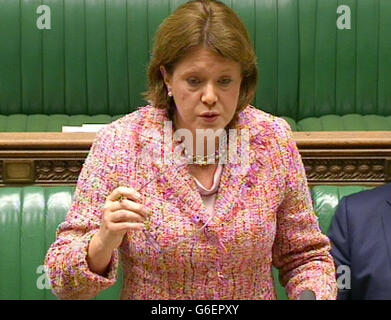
(124, 192)
(126, 216)
(122, 213)
(130, 206)
(126, 226)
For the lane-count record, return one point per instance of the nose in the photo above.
(209, 95)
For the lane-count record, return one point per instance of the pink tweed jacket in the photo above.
(263, 217)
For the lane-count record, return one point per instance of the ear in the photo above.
(165, 75)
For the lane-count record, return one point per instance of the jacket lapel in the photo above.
(179, 188)
(237, 176)
(233, 182)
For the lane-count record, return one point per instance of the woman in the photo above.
(198, 229)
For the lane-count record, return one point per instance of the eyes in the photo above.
(194, 81)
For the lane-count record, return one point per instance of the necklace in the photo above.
(204, 160)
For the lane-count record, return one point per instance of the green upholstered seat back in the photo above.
(29, 217)
(93, 58)
(326, 199)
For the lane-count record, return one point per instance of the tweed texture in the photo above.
(263, 217)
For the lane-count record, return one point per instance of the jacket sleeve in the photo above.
(300, 251)
(340, 245)
(65, 260)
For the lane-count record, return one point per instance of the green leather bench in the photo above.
(29, 217)
(88, 64)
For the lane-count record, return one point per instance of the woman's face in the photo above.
(205, 89)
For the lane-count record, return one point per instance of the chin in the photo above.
(214, 127)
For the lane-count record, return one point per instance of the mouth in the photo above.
(209, 116)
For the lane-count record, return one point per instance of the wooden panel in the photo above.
(18, 171)
(340, 158)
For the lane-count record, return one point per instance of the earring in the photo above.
(169, 93)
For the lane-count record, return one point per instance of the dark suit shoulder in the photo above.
(370, 197)
(360, 212)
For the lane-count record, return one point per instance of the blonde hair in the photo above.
(206, 23)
